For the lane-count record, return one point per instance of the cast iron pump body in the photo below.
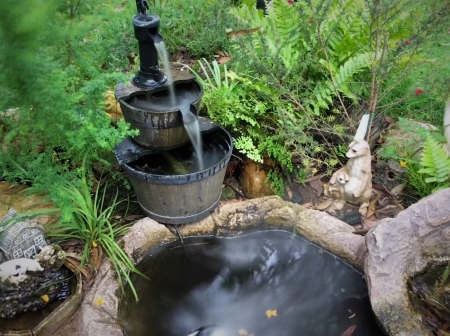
(146, 32)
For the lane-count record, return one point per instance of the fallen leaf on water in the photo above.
(271, 313)
(243, 332)
(324, 205)
(99, 301)
(349, 331)
(45, 298)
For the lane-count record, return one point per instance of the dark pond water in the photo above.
(240, 284)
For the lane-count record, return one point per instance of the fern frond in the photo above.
(435, 162)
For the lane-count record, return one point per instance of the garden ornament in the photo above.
(14, 271)
(353, 182)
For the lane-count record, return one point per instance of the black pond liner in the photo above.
(232, 284)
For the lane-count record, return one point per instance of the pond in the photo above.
(261, 283)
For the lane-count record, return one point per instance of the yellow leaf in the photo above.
(403, 163)
(45, 298)
(99, 301)
(271, 313)
(243, 332)
(94, 244)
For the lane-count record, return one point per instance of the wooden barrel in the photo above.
(186, 198)
(158, 128)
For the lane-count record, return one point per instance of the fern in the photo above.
(435, 164)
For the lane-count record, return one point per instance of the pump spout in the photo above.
(146, 32)
(156, 37)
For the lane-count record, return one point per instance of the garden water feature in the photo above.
(177, 162)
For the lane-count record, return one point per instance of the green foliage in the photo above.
(419, 60)
(435, 165)
(276, 182)
(196, 27)
(53, 77)
(90, 221)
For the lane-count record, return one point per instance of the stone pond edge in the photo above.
(99, 310)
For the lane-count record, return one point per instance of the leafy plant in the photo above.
(435, 165)
(89, 220)
(51, 106)
(195, 28)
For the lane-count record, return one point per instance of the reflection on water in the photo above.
(266, 284)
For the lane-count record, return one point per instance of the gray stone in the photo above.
(98, 314)
(400, 248)
(143, 235)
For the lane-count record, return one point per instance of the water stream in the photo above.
(190, 120)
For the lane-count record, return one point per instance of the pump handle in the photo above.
(142, 6)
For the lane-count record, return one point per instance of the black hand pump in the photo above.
(146, 32)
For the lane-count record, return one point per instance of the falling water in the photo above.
(163, 54)
(190, 120)
(182, 241)
(192, 127)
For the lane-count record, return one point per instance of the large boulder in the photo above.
(399, 248)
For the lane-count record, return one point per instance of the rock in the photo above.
(400, 248)
(143, 235)
(98, 315)
(253, 181)
(390, 174)
(51, 256)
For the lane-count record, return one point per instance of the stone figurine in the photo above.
(14, 271)
(353, 182)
